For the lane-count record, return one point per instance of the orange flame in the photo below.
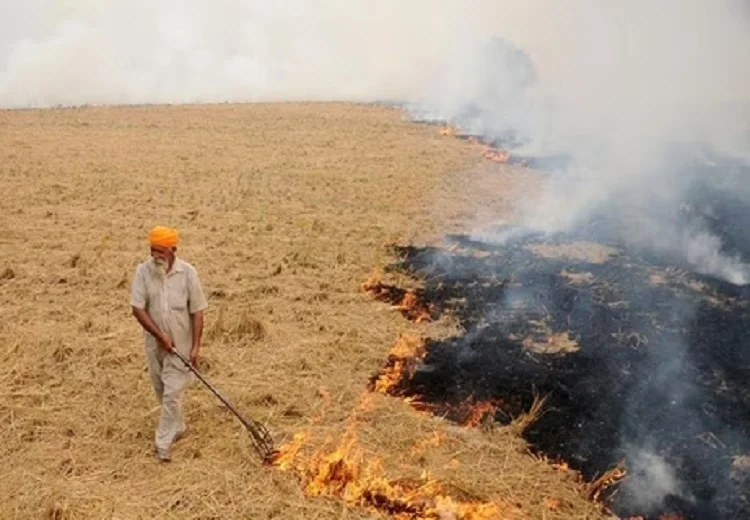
(390, 377)
(478, 412)
(345, 473)
(501, 156)
(373, 283)
(408, 346)
(402, 360)
(605, 481)
(285, 456)
(407, 301)
(334, 473)
(413, 308)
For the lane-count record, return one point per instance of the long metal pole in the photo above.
(261, 438)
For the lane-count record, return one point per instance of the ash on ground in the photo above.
(642, 363)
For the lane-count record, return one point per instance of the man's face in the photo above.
(162, 256)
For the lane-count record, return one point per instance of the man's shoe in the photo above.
(163, 455)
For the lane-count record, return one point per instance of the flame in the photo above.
(609, 478)
(413, 308)
(402, 360)
(347, 474)
(501, 156)
(478, 411)
(373, 283)
(390, 377)
(333, 474)
(285, 455)
(408, 346)
(407, 301)
(557, 465)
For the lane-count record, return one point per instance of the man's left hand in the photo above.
(194, 356)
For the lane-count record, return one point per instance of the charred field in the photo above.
(640, 365)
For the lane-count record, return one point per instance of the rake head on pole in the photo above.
(261, 439)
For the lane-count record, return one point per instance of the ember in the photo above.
(501, 156)
(408, 301)
(607, 399)
(479, 412)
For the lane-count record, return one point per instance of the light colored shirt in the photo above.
(169, 301)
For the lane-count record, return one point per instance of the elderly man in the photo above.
(168, 301)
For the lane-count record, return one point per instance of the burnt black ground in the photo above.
(662, 370)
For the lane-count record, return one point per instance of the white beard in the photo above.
(159, 267)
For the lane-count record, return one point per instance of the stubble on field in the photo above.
(284, 209)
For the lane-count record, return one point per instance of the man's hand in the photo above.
(148, 324)
(166, 343)
(194, 355)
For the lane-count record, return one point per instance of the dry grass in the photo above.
(284, 210)
(681, 282)
(530, 416)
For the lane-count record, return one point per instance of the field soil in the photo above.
(284, 210)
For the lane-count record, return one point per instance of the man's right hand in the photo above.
(167, 344)
(148, 324)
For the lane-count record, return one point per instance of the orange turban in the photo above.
(163, 236)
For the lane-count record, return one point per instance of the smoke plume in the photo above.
(73, 52)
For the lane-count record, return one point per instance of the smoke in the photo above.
(78, 52)
(639, 97)
(606, 82)
(654, 479)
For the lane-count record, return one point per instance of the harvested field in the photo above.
(284, 209)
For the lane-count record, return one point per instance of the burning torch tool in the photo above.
(260, 437)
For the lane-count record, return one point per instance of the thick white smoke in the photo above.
(73, 52)
(645, 84)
